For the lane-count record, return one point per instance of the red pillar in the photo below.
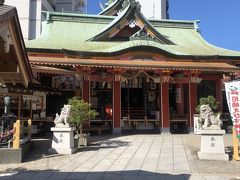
(86, 95)
(116, 107)
(219, 94)
(86, 91)
(165, 107)
(192, 104)
(179, 99)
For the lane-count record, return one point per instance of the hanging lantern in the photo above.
(196, 80)
(147, 79)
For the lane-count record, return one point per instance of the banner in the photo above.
(233, 100)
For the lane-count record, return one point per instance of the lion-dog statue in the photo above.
(210, 120)
(62, 119)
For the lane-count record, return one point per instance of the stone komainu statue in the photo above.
(210, 120)
(62, 120)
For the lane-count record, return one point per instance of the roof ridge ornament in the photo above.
(119, 5)
(112, 7)
(136, 4)
(132, 23)
(142, 34)
(133, 3)
(196, 26)
(109, 2)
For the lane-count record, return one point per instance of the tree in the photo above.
(80, 112)
(208, 100)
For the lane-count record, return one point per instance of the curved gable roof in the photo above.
(131, 13)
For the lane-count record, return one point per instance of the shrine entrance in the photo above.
(140, 102)
(101, 99)
(179, 107)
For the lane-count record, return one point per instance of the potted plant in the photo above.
(80, 112)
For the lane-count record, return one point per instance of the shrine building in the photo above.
(138, 74)
(15, 69)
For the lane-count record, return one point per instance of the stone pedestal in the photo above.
(166, 131)
(212, 145)
(63, 140)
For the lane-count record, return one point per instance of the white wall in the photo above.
(23, 14)
(154, 9)
(29, 13)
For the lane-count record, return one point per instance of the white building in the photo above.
(29, 12)
(154, 9)
(77, 6)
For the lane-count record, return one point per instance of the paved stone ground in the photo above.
(149, 157)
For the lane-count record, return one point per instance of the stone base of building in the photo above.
(117, 131)
(212, 145)
(191, 130)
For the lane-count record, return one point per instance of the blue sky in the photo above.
(219, 19)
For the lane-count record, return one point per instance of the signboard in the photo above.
(65, 83)
(30, 97)
(233, 99)
(151, 96)
(178, 95)
(197, 124)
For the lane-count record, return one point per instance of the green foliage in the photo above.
(208, 100)
(80, 112)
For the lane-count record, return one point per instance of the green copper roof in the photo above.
(72, 32)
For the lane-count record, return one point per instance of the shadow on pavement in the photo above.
(104, 144)
(23, 174)
(40, 146)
